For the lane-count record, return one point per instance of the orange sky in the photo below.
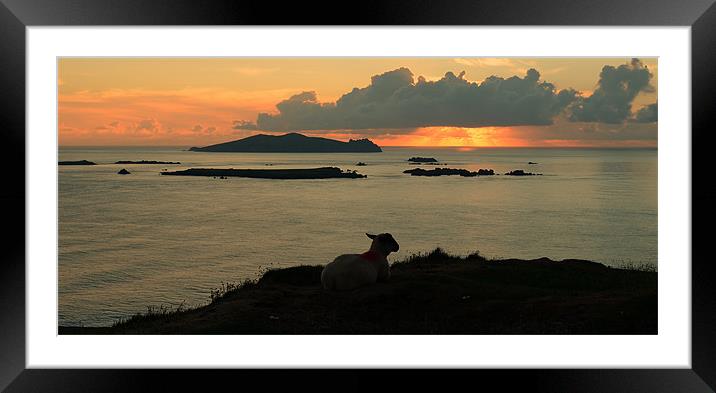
(195, 101)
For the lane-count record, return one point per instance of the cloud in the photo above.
(244, 125)
(199, 129)
(612, 99)
(647, 114)
(395, 100)
(146, 127)
(148, 124)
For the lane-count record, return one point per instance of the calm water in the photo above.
(127, 242)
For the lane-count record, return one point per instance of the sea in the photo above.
(132, 242)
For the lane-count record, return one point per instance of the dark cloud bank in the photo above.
(611, 101)
(647, 114)
(395, 100)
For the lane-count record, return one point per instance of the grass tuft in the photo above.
(229, 289)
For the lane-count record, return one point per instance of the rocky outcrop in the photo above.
(312, 173)
(449, 172)
(81, 162)
(148, 162)
(422, 159)
(520, 172)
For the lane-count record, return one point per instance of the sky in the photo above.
(469, 102)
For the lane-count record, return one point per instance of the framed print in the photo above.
(402, 186)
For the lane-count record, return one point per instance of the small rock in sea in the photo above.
(532, 163)
(123, 172)
(520, 172)
(422, 159)
(361, 164)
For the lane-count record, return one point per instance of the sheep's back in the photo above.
(347, 272)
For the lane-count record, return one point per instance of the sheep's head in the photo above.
(385, 243)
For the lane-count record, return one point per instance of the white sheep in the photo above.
(350, 271)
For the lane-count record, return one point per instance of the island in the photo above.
(428, 293)
(312, 173)
(449, 172)
(422, 159)
(81, 162)
(148, 162)
(124, 172)
(291, 143)
(520, 172)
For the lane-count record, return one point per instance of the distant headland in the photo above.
(291, 143)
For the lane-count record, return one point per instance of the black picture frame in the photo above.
(16, 15)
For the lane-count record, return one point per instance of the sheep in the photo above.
(350, 271)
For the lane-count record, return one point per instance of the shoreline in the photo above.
(430, 293)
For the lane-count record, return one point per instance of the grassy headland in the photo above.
(433, 293)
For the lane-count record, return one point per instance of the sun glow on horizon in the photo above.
(452, 137)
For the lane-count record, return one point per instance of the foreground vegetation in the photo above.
(432, 293)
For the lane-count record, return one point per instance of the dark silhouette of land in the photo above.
(422, 159)
(124, 172)
(313, 173)
(147, 162)
(291, 143)
(432, 293)
(449, 172)
(520, 172)
(81, 162)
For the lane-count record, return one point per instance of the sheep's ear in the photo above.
(370, 236)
